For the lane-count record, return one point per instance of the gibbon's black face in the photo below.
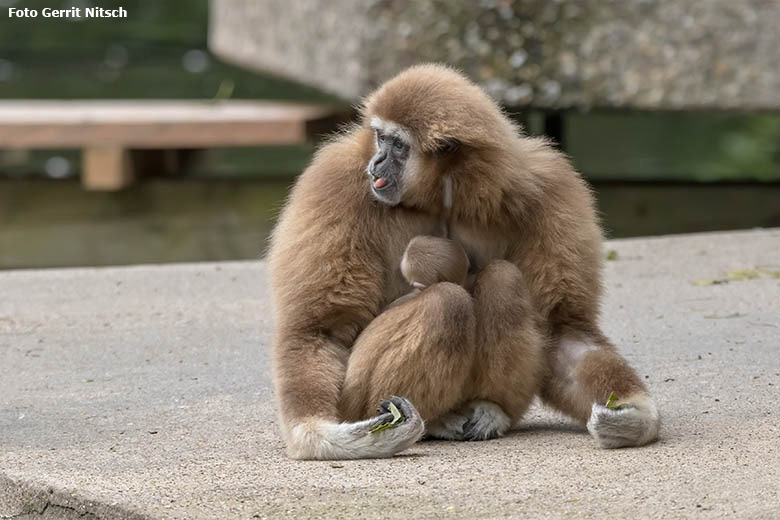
(386, 168)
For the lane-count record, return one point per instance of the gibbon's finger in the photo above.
(405, 406)
(380, 422)
(384, 406)
(399, 402)
(394, 410)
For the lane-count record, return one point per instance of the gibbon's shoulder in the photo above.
(336, 174)
(550, 168)
(330, 201)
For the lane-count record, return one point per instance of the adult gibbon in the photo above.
(466, 363)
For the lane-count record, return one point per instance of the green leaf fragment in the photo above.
(708, 281)
(612, 254)
(381, 427)
(739, 275)
(398, 417)
(727, 316)
(612, 402)
(743, 274)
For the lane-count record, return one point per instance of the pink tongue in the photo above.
(380, 182)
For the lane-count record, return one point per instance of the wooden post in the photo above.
(106, 169)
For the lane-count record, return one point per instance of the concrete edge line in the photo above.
(27, 500)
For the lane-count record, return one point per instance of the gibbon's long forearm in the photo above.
(310, 367)
(329, 279)
(310, 375)
(310, 371)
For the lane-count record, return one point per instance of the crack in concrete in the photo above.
(58, 511)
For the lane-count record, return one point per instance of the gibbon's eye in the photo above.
(379, 137)
(398, 144)
(447, 146)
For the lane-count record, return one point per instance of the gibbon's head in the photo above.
(429, 260)
(428, 122)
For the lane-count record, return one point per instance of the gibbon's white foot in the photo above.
(355, 440)
(634, 423)
(586, 370)
(476, 421)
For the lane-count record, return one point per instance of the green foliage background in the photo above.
(59, 58)
(56, 58)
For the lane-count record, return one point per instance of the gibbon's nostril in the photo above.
(378, 159)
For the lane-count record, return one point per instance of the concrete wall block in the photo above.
(662, 54)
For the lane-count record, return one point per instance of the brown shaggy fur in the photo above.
(429, 260)
(526, 220)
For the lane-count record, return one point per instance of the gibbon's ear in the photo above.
(446, 146)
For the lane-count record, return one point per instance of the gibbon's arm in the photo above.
(327, 282)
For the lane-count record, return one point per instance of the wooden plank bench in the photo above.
(107, 130)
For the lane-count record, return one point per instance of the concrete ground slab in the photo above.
(144, 392)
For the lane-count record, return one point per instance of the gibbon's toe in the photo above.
(477, 421)
(487, 421)
(623, 427)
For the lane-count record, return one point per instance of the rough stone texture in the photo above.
(144, 392)
(669, 54)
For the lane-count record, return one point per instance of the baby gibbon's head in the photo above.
(429, 260)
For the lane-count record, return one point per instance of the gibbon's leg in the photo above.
(421, 349)
(309, 374)
(509, 359)
(584, 370)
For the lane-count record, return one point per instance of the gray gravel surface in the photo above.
(144, 392)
